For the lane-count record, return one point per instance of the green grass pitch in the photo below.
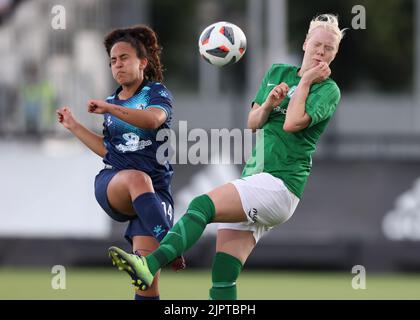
(107, 283)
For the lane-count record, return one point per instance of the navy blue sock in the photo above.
(138, 297)
(150, 211)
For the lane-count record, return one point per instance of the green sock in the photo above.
(225, 271)
(183, 234)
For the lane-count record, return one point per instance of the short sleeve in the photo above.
(259, 97)
(321, 104)
(161, 98)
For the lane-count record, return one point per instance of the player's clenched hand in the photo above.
(179, 263)
(98, 106)
(276, 96)
(318, 73)
(65, 117)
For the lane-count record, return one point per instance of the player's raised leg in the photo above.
(223, 204)
(131, 192)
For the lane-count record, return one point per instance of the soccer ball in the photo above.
(222, 43)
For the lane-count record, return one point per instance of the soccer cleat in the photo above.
(134, 265)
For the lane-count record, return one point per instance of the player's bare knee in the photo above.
(139, 181)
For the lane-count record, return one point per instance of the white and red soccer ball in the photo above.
(222, 43)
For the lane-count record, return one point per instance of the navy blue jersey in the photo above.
(130, 147)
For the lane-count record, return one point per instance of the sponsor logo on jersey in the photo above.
(282, 110)
(289, 94)
(133, 143)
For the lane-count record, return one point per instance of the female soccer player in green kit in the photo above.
(293, 105)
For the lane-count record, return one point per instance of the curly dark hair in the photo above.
(145, 41)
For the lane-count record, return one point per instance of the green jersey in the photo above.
(288, 155)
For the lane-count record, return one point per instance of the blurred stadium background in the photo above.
(362, 202)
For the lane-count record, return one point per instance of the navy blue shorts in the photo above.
(135, 226)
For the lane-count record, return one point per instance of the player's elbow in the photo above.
(254, 123)
(151, 124)
(155, 124)
(251, 125)
(290, 127)
(101, 151)
(296, 125)
(293, 127)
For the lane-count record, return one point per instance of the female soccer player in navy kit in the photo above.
(134, 186)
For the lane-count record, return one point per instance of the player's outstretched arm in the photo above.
(92, 140)
(151, 118)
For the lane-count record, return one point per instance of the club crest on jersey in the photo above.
(140, 106)
(291, 91)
